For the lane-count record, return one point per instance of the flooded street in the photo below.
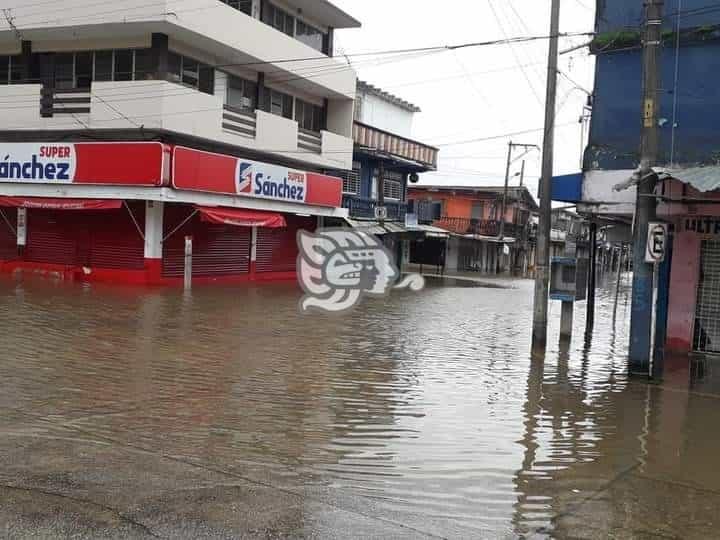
(224, 413)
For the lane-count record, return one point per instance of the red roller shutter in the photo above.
(116, 242)
(54, 237)
(96, 239)
(218, 250)
(277, 249)
(8, 236)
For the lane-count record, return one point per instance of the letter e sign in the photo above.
(656, 242)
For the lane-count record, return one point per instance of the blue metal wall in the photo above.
(616, 125)
(614, 15)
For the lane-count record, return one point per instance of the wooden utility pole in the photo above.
(542, 280)
(643, 272)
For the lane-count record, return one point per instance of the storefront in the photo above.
(124, 212)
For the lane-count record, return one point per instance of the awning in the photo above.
(703, 179)
(61, 204)
(388, 227)
(240, 217)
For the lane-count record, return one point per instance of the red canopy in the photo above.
(61, 204)
(241, 217)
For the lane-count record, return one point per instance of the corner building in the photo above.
(127, 129)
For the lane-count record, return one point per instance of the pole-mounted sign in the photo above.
(656, 242)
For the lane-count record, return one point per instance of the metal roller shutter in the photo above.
(218, 250)
(277, 249)
(707, 317)
(54, 237)
(8, 235)
(116, 242)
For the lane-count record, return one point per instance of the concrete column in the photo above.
(154, 212)
(566, 320)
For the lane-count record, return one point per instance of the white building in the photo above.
(227, 91)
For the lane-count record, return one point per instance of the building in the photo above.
(481, 239)
(127, 130)
(688, 316)
(383, 146)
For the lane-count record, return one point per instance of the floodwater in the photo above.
(224, 413)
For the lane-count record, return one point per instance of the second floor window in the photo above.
(278, 103)
(11, 69)
(393, 186)
(309, 116)
(350, 179)
(242, 94)
(190, 72)
(477, 210)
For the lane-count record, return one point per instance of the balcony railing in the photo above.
(365, 208)
(239, 121)
(64, 101)
(476, 227)
(391, 144)
(309, 141)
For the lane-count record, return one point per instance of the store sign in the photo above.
(218, 173)
(83, 163)
(703, 225)
(656, 242)
(270, 181)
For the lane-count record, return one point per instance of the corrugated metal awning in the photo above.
(703, 179)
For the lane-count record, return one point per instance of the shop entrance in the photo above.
(706, 334)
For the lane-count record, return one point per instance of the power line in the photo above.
(503, 136)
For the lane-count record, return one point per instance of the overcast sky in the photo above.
(481, 92)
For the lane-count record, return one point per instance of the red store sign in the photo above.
(217, 173)
(121, 163)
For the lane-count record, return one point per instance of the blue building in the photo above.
(689, 115)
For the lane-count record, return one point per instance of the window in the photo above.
(11, 70)
(190, 72)
(350, 179)
(123, 65)
(65, 70)
(310, 36)
(144, 65)
(5, 69)
(477, 210)
(241, 94)
(278, 103)
(103, 66)
(309, 116)
(83, 69)
(279, 19)
(241, 5)
(393, 185)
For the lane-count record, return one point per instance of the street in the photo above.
(225, 413)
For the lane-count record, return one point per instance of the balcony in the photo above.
(172, 107)
(481, 227)
(365, 208)
(383, 142)
(220, 31)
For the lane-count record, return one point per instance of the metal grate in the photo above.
(706, 336)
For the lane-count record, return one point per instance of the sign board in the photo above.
(381, 212)
(656, 242)
(196, 170)
(139, 164)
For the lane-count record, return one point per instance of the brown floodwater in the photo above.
(423, 411)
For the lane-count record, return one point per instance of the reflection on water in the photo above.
(428, 405)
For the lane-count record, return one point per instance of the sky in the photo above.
(480, 92)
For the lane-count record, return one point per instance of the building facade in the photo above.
(127, 131)
(482, 239)
(384, 149)
(688, 314)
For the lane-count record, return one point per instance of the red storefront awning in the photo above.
(61, 204)
(241, 217)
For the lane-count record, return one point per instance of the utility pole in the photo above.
(503, 210)
(643, 272)
(542, 280)
(381, 190)
(522, 174)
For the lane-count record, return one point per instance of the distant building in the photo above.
(381, 136)
(481, 238)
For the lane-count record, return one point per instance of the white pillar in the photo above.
(154, 229)
(22, 227)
